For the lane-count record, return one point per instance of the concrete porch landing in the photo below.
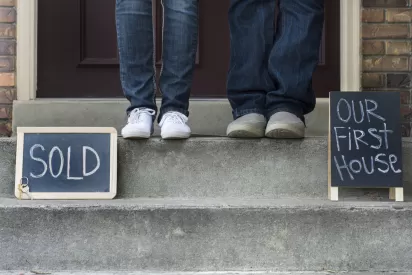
(207, 117)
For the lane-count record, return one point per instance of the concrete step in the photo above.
(216, 168)
(208, 117)
(166, 235)
(200, 273)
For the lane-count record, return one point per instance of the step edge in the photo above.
(208, 204)
(205, 273)
(13, 139)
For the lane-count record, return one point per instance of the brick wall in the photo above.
(7, 63)
(387, 51)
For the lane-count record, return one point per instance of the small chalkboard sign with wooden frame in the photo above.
(365, 142)
(65, 163)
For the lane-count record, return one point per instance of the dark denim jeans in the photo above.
(271, 69)
(137, 53)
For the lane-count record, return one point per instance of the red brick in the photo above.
(7, 79)
(9, 3)
(7, 15)
(373, 80)
(7, 30)
(399, 15)
(5, 112)
(399, 47)
(385, 3)
(406, 112)
(373, 15)
(385, 31)
(405, 97)
(7, 96)
(406, 129)
(385, 63)
(399, 80)
(372, 47)
(7, 64)
(5, 128)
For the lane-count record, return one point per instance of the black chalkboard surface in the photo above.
(365, 142)
(66, 163)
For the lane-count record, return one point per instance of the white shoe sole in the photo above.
(136, 135)
(175, 135)
(246, 131)
(285, 131)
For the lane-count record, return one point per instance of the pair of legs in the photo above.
(136, 37)
(270, 75)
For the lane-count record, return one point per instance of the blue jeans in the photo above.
(271, 69)
(137, 53)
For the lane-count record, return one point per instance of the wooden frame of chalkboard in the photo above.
(111, 161)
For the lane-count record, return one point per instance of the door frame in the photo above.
(27, 12)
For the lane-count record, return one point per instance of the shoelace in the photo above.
(136, 115)
(174, 117)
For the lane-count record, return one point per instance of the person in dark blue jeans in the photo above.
(137, 65)
(270, 75)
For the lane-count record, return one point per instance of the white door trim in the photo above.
(27, 47)
(350, 45)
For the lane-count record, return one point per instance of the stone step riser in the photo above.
(216, 167)
(285, 237)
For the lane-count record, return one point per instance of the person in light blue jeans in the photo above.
(134, 23)
(270, 75)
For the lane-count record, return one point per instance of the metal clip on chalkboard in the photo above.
(24, 188)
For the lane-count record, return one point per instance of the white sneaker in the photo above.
(140, 124)
(285, 125)
(247, 126)
(173, 126)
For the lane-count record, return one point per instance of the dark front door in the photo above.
(77, 55)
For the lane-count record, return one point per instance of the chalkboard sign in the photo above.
(66, 163)
(365, 142)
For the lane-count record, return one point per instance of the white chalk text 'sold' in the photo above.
(55, 162)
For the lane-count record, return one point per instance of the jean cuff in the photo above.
(171, 109)
(242, 112)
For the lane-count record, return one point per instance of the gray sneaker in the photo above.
(285, 125)
(247, 126)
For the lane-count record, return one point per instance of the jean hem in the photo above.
(242, 112)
